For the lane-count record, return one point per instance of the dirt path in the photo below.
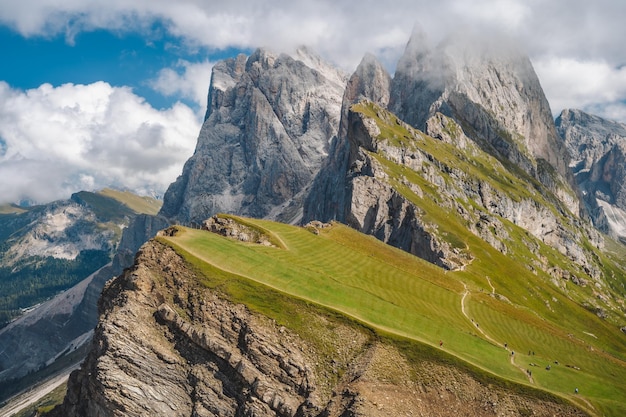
(525, 371)
(476, 325)
(493, 289)
(492, 340)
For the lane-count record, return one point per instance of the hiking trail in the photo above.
(492, 340)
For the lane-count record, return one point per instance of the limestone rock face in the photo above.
(268, 126)
(489, 99)
(327, 197)
(587, 137)
(494, 93)
(598, 149)
(374, 203)
(166, 345)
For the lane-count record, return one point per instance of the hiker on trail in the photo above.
(505, 345)
(440, 343)
(576, 391)
(512, 353)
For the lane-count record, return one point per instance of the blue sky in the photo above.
(119, 58)
(112, 93)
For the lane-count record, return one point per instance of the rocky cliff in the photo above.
(396, 173)
(168, 345)
(598, 149)
(480, 94)
(267, 130)
(490, 89)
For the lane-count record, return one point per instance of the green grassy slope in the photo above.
(138, 204)
(113, 205)
(396, 293)
(499, 297)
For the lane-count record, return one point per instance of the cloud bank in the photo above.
(57, 140)
(58, 136)
(187, 80)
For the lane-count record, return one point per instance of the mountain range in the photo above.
(455, 159)
(55, 260)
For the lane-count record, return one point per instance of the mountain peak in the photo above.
(492, 89)
(269, 126)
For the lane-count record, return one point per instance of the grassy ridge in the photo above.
(138, 204)
(394, 292)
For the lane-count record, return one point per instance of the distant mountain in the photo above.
(598, 150)
(54, 250)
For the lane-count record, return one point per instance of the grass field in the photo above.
(396, 293)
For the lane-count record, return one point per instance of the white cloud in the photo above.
(506, 15)
(343, 30)
(590, 85)
(189, 80)
(59, 140)
(337, 26)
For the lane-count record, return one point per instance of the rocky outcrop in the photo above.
(587, 137)
(493, 92)
(328, 198)
(478, 99)
(598, 149)
(375, 206)
(166, 345)
(267, 130)
(352, 186)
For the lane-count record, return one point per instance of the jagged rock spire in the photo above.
(269, 122)
(490, 87)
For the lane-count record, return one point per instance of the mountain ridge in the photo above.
(598, 149)
(246, 362)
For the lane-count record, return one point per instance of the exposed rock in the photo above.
(587, 137)
(373, 205)
(598, 149)
(165, 345)
(268, 127)
(491, 93)
(494, 93)
(327, 197)
(236, 230)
